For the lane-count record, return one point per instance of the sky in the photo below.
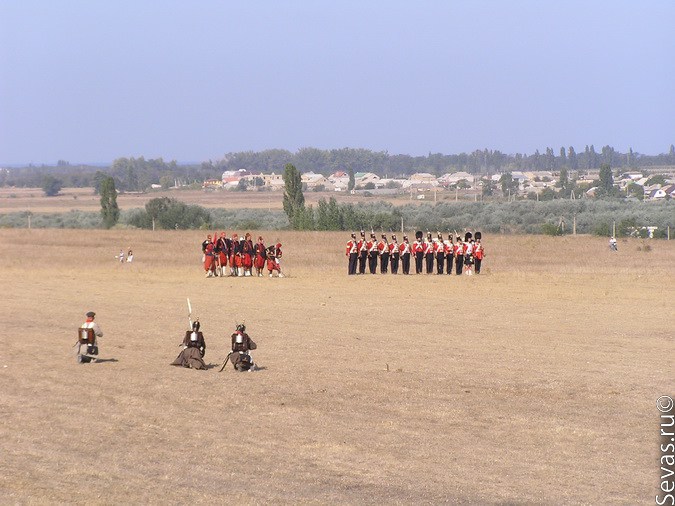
(89, 81)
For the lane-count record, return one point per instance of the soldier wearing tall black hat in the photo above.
(371, 245)
(439, 249)
(449, 253)
(429, 253)
(459, 255)
(363, 253)
(352, 254)
(406, 249)
(418, 251)
(383, 252)
(478, 253)
(394, 254)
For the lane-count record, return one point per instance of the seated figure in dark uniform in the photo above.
(240, 356)
(194, 349)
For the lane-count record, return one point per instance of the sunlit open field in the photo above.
(84, 199)
(534, 382)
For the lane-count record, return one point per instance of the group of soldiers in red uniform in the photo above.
(241, 254)
(465, 255)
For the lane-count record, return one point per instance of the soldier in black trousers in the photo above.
(394, 255)
(405, 255)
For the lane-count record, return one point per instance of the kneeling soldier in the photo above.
(194, 349)
(86, 336)
(240, 356)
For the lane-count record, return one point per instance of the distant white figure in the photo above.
(612, 244)
(121, 256)
(130, 256)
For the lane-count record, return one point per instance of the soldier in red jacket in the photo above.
(478, 253)
(418, 252)
(459, 256)
(363, 253)
(352, 253)
(394, 254)
(439, 250)
(383, 252)
(406, 251)
(208, 248)
(429, 253)
(449, 253)
(371, 247)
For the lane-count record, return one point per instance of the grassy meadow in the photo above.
(534, 382)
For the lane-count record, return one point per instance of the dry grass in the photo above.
(532, 383)
(84, 199)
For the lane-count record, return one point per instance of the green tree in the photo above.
(98, 178)
(294, 200)
(166, 181)
(242, 185)
(572, 157)
(109, 209)
(352, 182)
(488, 188)
(563, 181)
(507, 182)
(51, 185)
(606, 180)
(635, 190)
(656, 179)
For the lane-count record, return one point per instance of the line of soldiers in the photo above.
(241, 254)
(465, 255)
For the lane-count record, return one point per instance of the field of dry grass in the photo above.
(534, 382)
(84, 199)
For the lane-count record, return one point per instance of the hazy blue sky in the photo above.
(90, 81)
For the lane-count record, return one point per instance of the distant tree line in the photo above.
(137, 174)
(524, 216)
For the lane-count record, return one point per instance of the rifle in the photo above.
(226, 359)
(189, 313)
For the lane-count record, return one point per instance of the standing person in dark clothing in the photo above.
(429, 253)
(260, 256)
(406, 251)
(383, 252)
(363, 253)
(394, 254)
(439, 249)
(449, 253)
(352, 254)
(478, 253)
(418, 252)
(372, 254)
(459, 256)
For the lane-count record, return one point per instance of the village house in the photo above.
(339, 180)
(455, 177)
(423, 177)
(230, 176)
(363, 178)
(312, 180)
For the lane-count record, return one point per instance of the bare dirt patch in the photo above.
(534, 382)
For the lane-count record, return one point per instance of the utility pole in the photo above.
(574, 225)
(614, 229)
